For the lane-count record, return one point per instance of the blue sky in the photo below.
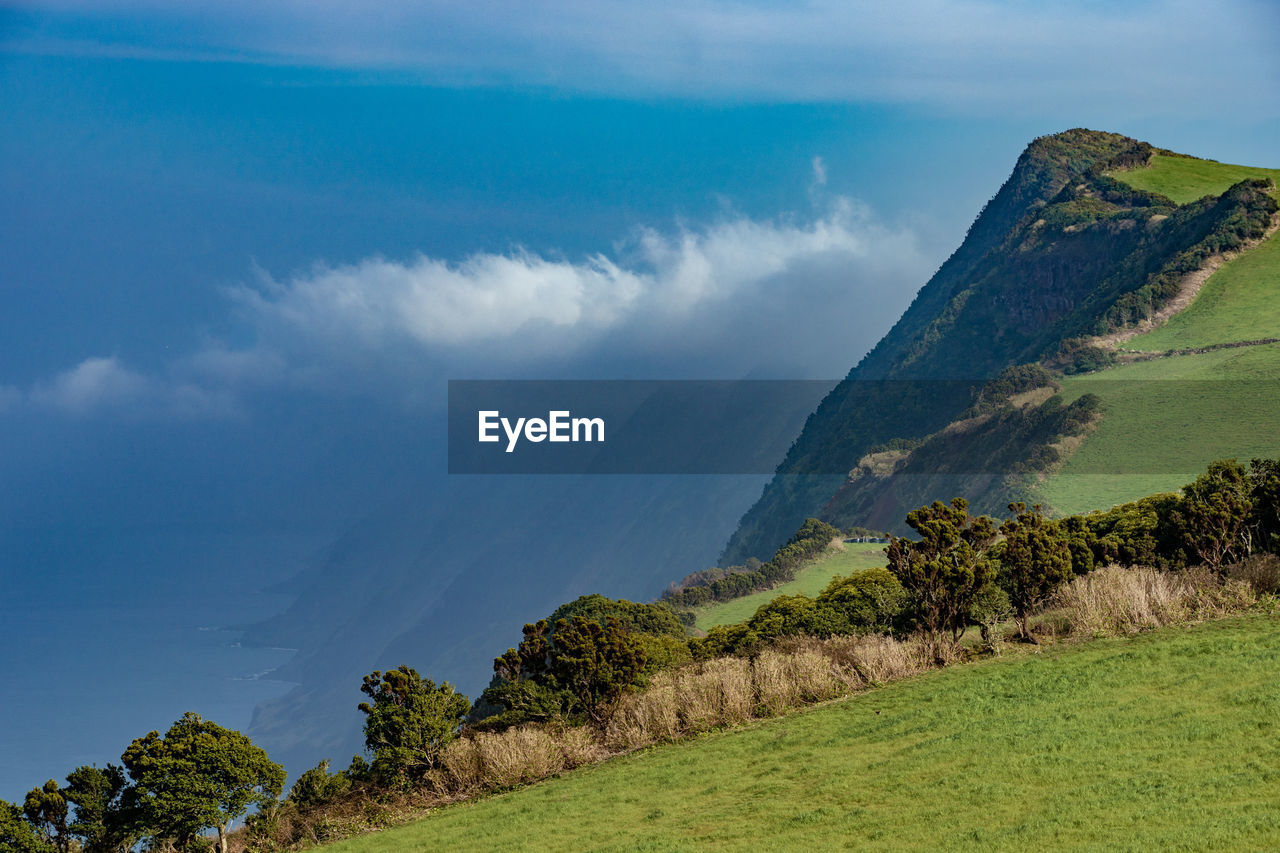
(243, 245)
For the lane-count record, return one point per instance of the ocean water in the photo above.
(106, 635)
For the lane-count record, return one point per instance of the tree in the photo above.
(944, 569)
(198, 776)
(106, 819)
(989, 608)
(578, 660)
(409, 721)
(1035, 559)
(1216, 511)
(595, 662)
(1264, 491)
(19, 836)
(47, 810)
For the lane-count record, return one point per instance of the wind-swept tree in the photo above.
(945, 567)
(408, 721)
(106, 817)
(1216, 511)
(1036, 561)
(47, 810)
(198, 776)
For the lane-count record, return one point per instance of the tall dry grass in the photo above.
(1114, 600)
(798, 671)
(787, 680)
(514, 756)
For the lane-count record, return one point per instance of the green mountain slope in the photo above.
(1164, 418)
(1073, 246)
(1164, 741)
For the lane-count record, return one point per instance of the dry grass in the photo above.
(1114, 600)
(515, 756)
(784, 681)
(876, 659)
(798, 671)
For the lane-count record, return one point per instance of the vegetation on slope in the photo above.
(1012, 435)
(1239, 302)
(1099, 442)
(601, 676)
(1161, 741)
(701, 588)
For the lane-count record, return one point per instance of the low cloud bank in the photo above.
(803, 298)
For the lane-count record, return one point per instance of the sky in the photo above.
(244, 244)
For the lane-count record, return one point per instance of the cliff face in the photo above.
(1061, 251)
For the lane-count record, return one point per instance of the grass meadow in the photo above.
(1164, 420)
(1167, 740)
(809, 580)
(1185, 179)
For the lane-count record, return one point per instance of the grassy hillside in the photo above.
(1239, 302)
(1164, 419)
(1163, 741)
(809, 580)
(1185, 179)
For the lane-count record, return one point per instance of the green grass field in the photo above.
(809, 580)
(1185, 179)
(1239, 302)
(1166, 741)
(1164, 420)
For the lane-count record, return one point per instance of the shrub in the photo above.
(318, 786)
(1260, 571)
(869, 600)
(991, 606)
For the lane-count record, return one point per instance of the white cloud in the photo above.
(819, 172)
(100, 385)
(528, 306)
(786, 298)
